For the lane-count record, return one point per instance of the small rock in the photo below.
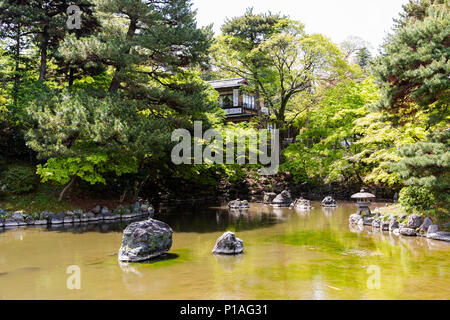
(18, 216)
(58, 218)
(29, 220)
(91, 215)
(46, 215)
(414, 221)
(96, 209)
(432, 229)
(268, 197)
(376, 223)
(442, 236)
(408, 232)
(69, 213)
(367, 221)
(105, 211)
(228, 244)
(78, 212)
(384, 225)
(427, 222)
(10, 223)
(396, 231)
(68, 220)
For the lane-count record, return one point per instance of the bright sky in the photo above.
(337, 19)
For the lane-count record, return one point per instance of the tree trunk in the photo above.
(71, 77)
(44, 46)
(122, 197)
(61, 195)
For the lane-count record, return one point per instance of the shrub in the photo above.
(416, 198)
(19, 179)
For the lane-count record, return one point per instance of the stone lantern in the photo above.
(363, 201)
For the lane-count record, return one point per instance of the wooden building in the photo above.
(238, 104)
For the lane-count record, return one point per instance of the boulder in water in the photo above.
(145, 240)
(228, 244)
(302, 204)
(268, 197)
(329, 202)
(282, 200)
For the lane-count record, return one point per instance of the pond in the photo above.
(289, 254)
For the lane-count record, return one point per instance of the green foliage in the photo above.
(327, 147)
(90, 168)
(363, 57)
(19, 179)
(426, 165)
(416, 198)
(279, 59)
(413, 71)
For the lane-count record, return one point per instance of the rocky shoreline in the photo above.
(97, 214)
(404, 225)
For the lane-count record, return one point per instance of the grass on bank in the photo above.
(45, 197)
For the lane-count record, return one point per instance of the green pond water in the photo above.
(289, 254)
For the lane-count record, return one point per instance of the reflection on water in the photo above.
(289, 254)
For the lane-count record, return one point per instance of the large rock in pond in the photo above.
(329, 202)
(145, 240)
(302, 204)
(238, 204)
(228, 244)
(282, 200)
(268, 197)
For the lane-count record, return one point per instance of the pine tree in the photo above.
(426, 165)
(413, 71)
(15, 29)
(363, 57)
(149, 49)
(42, 22)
